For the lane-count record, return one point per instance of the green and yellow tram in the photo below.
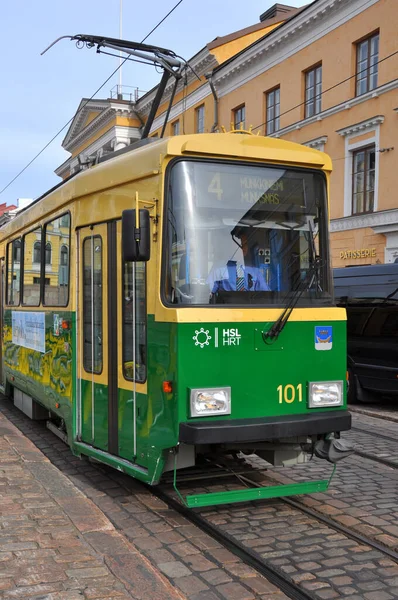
(176, 300)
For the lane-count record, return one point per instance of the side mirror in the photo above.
(136, 241)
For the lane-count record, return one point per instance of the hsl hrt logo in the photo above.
(231, 337)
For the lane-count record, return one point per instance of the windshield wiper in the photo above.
(272, 334)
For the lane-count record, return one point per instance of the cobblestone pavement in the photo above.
(55, 544)
(325, 563)
(364, 494)
(386, 410)
(363, 497)
(92, 558)
(375, 425)
(376, 437)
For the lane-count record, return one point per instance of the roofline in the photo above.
(298, 12)
(219, 41)
(82, 104)
(80, 184)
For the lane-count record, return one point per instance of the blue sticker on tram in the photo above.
(323, 337)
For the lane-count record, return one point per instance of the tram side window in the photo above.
(92, 304)
(31, 268)
(134, 321)
(57, 261)
(13, 272)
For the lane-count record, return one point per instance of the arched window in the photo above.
(16, 250)
(48, 254)
(36, 252)
(64, 256)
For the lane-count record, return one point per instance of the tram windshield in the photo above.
(242, 234)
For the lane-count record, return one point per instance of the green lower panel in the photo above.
(266, 380)
(94, 402)
(113, 461)
(126, 421)
(246, 495)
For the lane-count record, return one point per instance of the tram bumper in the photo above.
(240, 431)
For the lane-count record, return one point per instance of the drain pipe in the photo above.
(213, 91)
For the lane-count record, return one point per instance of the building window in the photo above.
(37, 280)
(239, 117)
(37, 252)
(92, 304)
(176, 128)
(48, 254)
(367, 67)
(56, 288)
(313, 91)
(273, 111)
(31, 251)
(200, 119)
(363, 180)
(64, 220)
(13, 272)
(63, 257)
(16, 251)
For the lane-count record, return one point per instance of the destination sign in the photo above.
(247, 187)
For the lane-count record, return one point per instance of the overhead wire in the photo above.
(184, 98)
(87, 101)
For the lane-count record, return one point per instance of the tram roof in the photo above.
(144, 161)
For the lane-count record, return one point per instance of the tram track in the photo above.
(357, 537)
(250, 557)
(373, 433)
(262, 565)
(380, 459)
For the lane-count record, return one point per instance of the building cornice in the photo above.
(316, 21)
(343, 106)
(361, 127)
(83, 110)
(98, 123)
(317, 142)
(377, 221)
(201, 63)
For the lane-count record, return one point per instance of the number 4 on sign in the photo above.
(215, 186)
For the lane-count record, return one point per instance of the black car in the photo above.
(370, 295)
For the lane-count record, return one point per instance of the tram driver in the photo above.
(230, 272)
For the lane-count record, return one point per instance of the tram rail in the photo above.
(380, 459)
(250, 557)
(246, 555)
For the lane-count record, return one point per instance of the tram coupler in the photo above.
(333, 449)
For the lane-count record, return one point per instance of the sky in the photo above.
(40, 94)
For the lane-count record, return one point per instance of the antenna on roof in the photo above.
(119, 91)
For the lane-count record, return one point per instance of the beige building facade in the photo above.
(335, 66)
(326, 76)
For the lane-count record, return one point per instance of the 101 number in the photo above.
(289, 393)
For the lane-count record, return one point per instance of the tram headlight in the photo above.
(325, 393)
(211, 401)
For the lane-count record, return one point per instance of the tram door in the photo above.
(97, 371)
